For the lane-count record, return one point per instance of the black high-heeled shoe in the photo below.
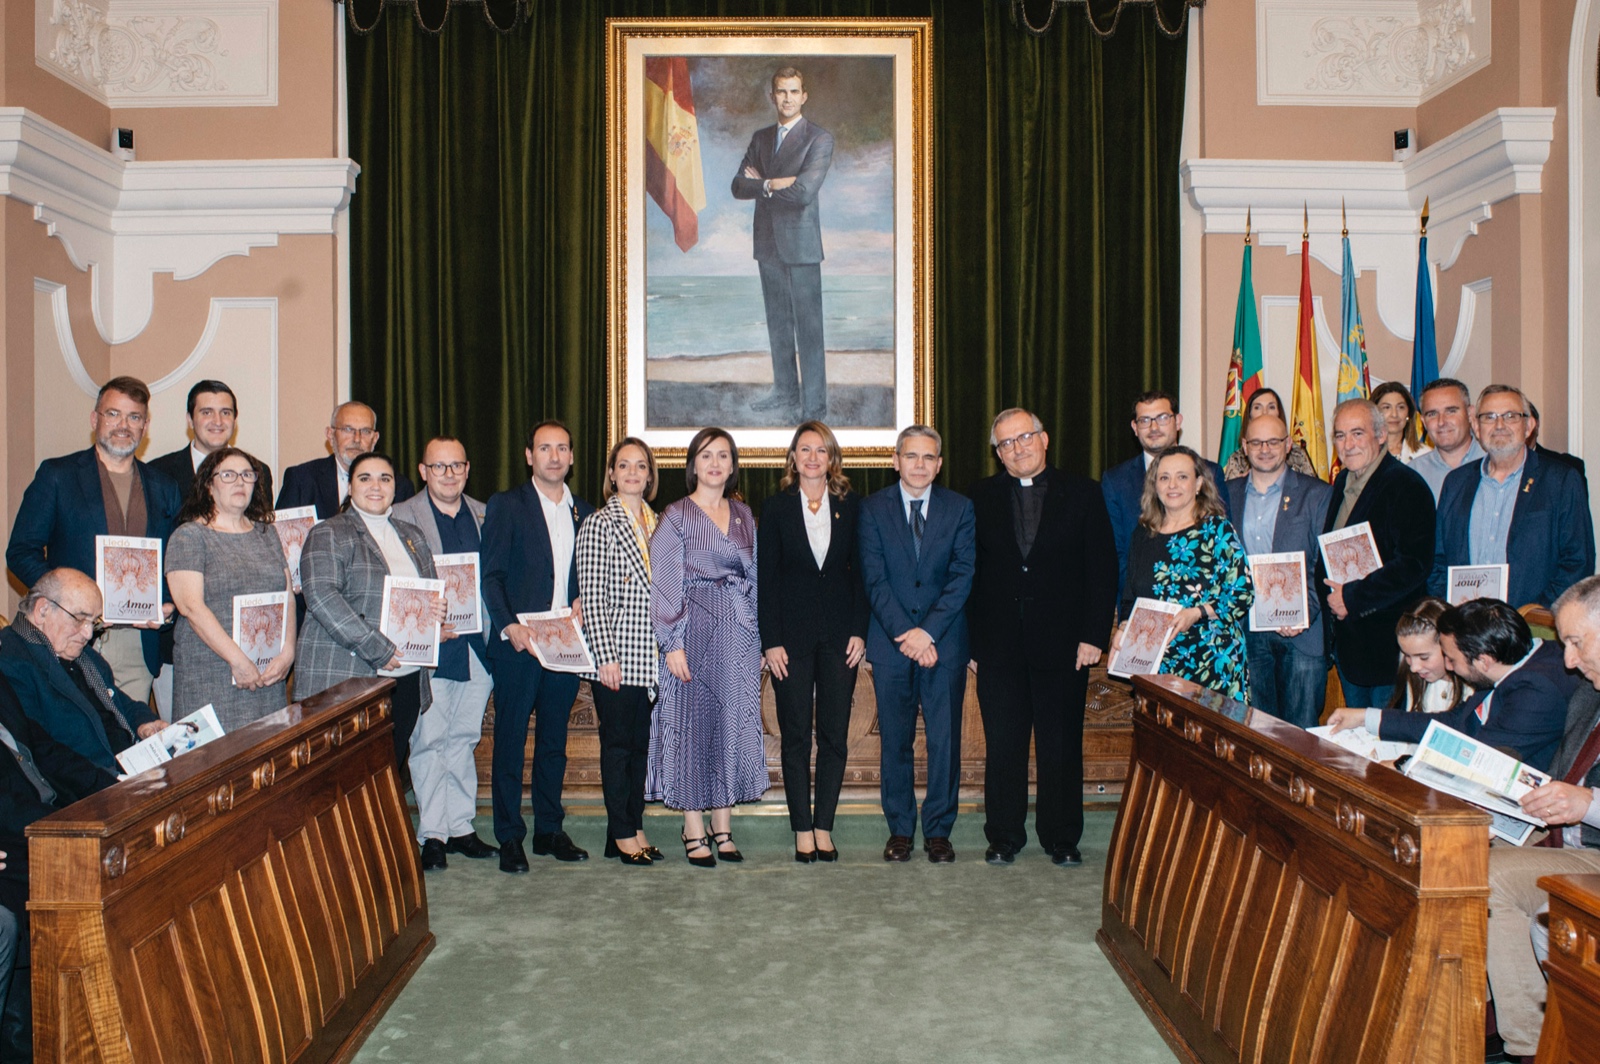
(702, 843)
(638, 857)
(732, 856)
(651, 852)
(804, 856)
(827, 855)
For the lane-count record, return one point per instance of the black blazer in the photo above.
(316, 483)
(517, 568)
(1036, 610)
(800, 606)
(1399, 505)
(179, 465)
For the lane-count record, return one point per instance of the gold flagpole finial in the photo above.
(1344, 221)
(1247, 227)
(1305, 218)
(1425, 216)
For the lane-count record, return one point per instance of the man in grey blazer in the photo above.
(444, 775)
(1278, 511)
(782, 171)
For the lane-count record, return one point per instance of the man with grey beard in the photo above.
(1514, 507)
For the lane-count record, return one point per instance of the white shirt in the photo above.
(343, 478)
(819, 526)
(906, 497)
(395, 556)
(196, 455)
(558, 519)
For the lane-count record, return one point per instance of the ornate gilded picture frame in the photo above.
(769, 249)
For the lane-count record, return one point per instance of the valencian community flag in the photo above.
(1307, 427)
(1244, 367)
(1424, 347)
(1354, 380)
(672, 173)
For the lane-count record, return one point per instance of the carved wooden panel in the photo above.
(258, 899)
(1571, 1033)
(1271, 898)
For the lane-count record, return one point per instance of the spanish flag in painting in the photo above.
(672, 173)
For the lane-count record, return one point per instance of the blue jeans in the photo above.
(1290, 685)
(1358, 697)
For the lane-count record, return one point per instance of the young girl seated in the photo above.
(1422, 682)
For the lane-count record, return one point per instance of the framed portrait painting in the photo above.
(770, 240)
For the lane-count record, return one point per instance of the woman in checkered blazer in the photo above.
(614, 585)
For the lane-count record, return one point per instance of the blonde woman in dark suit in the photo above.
(613, 553)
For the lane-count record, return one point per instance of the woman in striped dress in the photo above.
(705, 744)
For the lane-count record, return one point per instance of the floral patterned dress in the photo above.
(1204, 563)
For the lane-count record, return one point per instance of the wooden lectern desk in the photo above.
(1571, 1033)
(257, 899)
(1272, 898)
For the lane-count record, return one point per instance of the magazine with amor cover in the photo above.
(408, 618)
(128, 570)
(1466, 582)
(292, 525)
(463, 600)
(260, 623)
(1350, 553)
(558, 642)
(1145, 635)
(1280, 583)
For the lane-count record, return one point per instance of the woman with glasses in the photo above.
(1265, 402)
(225, 547)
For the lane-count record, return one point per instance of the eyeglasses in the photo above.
(96, 623)
(439, 469)
(1152, 419)
(1509, 418)
(1266, 444)
(229, 476)
(1011, 443)
(360, 432)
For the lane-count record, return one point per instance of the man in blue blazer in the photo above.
(1278, 511)
(530, 565)
(918, 551)
(1522, 686)
(324, 482)
(102, 491)
(1157, 424)
(782, 171)
(1514, 507)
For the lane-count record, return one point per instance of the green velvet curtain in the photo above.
(478, 230)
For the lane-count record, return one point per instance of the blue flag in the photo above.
(1424, 348)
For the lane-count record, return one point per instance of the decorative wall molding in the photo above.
(1366, 53)
(162, 53)
(61, 321)
(1471, 294)
(125, 222)
(1499, 156)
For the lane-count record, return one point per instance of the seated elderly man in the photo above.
(1515, 977)
(63, 684)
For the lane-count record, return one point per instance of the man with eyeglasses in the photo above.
(1514, 507)
(1157, 425)
(65, 686)
(1040, 615)
(103, 491)
(1449, 416)
(443, 773)
(324, 482)
(1278, 511)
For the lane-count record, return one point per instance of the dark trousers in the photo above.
(793, 299)
(1286, 683)
(405, 708)
(624, 717)
(16, 1006)
(1047, 705)
(821, 671)
(524, 689)
(902, 686)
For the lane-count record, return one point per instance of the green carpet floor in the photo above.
(859, 961)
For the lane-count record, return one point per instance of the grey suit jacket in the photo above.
(1301, 514)
(416, 511)
(341, 572)
(1583, 713)
(788, 225)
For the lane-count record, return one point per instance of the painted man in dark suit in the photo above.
(782, 171)
(530, 565)
(324, 482)
(1278, 511)
(917, 556)
(1157, 424)
(1514, 507)
(103, 491)
(1375, 487)
(1043, 599)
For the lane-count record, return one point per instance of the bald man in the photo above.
(324, 482)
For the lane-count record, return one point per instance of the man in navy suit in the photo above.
(1522, 686)
(529, 566)
(103, 491)
(1278, 511)
(1514, 507)
(1157, 424)
(324, 482)
(918, 550)
(782, 171)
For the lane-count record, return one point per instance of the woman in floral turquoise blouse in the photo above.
(1185, 552)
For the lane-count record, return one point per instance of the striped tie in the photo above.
(918, 522)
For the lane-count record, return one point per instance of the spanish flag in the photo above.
(1308, 428)
(672, 147)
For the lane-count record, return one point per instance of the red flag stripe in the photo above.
(663, 188)
(671, 72)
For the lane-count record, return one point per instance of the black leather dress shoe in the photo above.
(557, 845)
(1066, 856)
(999, 855)
(898, 848)
(433, 855)
(512, 859)
(469, 845)
(939, 850)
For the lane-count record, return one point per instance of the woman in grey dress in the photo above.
(225, 546)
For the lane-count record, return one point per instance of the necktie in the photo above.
(47, 794)
(783, 131)
(918, 522)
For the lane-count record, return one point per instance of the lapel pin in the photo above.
(1528, 486)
